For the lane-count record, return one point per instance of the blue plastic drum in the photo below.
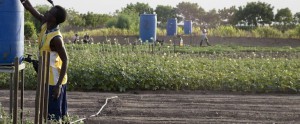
(11, 31)
(172, 27)
(148, 26)
(188, 27)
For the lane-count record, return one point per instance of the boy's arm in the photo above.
(57, 45)
(27, 5)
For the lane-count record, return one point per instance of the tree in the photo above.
(284, 16)
(125, 19)
(297, 18)
(254, 13)
(140, 8)
(75, 19)
(90, 19)
(284, 19)
(212, 18)
(190, 11)
(227, 15)
(164, 13)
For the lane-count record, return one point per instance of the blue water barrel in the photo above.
(187, 27)
(172, 27)
(11, 31)
(148, 25)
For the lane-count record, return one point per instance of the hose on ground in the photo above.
(79, 120)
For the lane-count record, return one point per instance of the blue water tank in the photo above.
(11, 31)
(148, 25)
(187, 27)
(172, 27)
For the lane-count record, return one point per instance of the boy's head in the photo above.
(56, 14)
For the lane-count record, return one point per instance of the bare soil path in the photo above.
(171, 107)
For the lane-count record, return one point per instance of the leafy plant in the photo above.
(115, 67)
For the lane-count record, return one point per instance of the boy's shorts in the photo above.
(57, 108)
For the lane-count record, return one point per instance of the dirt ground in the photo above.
(175, 107)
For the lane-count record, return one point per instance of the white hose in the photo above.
(79, 120)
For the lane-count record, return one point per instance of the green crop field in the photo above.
(107, 67)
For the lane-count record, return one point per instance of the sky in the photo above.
(110, 6)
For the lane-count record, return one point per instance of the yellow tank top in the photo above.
(55, 61)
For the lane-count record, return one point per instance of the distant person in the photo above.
(75, 38)
(86, 38)
(204, 36)
(180, 40)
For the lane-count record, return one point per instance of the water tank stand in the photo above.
(16, 76)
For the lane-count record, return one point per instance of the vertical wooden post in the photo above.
(11, 100)
(37, 97)
(174, 46)
(42, 93)
(22, 95)
(16, 87)
(46, 98)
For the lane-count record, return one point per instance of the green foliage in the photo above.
(4, 119)
(74, 18)
(126, 20)
(293, 33)
(139, 8)
(107, 67)
(42, 9)
(29, 30)
(297, 18)
(254, 13)
(102, 32)
(227, 31)
(91, 19)
(298, 30)
(284, 16)
(117, 68)
(123, 22)
(111, 22)
(212, 18)
(227, 15)
(27, 16)
(190, 11)
(284, 20)
(164, 13)
(267, 32)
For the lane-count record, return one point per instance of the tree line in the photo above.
(253, 14)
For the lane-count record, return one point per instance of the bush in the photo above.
(123, 22)
(29, 30)
(267, 32)
(111, 23)
(298, 30)
(227, 31)
(293, 33)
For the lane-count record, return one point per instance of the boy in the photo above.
(50, 39)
